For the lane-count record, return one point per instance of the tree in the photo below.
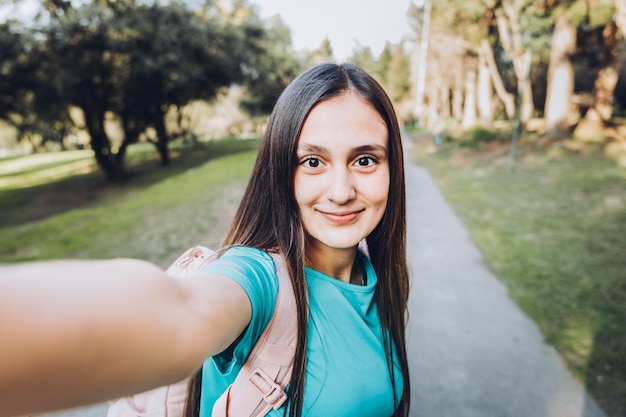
(393, 70)
(485, 89)
(597, 50)
(560, 79)
(23, 95)
(620, 15)
(487, 59)
(323, 53)
(364, 58)
(168, 57)
(11, 53)
(513, 33)
(271, 62)
(583, 68)
(451, 78)
(135, 62)
(398, 72)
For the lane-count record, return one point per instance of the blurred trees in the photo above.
(560, 83)
(268, 61)
(596, 55)
(583, 67)
(323, 53)
(135, 62)
(475, 64)
(392, 69)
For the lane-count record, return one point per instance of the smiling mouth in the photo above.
(341, 218)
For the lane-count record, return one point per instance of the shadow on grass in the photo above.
(605, 376)
(23, 205)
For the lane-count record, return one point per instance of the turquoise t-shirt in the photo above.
(346, 367)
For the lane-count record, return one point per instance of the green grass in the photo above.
(554, 231)
(28, 194)
(155, 215)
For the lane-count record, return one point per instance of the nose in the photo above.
(341, 187)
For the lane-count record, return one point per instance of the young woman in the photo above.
(329, 176)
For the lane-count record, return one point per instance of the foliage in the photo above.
(271, 62)
(554, 231)
(469, 39)
(363, 57)
(392, 69)
(11, 53)
(323, 53)
(398, 71)
(21, 103)
(459, 19)
(135, 61)
(583, 13)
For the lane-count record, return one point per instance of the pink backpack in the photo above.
(259, 385)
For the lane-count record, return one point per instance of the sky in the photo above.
(346, 23)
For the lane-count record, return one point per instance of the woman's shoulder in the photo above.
(244, 259)
(255, 271)
(245, 252)
(252, 268)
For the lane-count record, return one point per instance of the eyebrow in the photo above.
(363, 148)
(371, 148)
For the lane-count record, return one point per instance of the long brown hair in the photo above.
(268, 217)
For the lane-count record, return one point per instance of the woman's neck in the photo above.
(337, 263)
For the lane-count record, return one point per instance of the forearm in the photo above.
(76, 332)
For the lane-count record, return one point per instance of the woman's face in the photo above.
(342, 177)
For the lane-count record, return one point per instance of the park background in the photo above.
(128, 128)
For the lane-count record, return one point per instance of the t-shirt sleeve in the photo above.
(255, 271)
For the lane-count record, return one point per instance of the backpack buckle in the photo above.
(272, 393)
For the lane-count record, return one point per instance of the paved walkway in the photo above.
(472, 352)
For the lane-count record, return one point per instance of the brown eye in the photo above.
(365, 161)
(312, 162)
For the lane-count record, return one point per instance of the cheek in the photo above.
(377, 189)
(303, 189)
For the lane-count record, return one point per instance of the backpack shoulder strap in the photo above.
(260, 384)
(190, 262)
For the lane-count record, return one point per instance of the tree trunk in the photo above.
(484, 92)
(432, 109)
(596, 117)
(508, 100)
(510, 34)
(560, 79)
(457, 104)
(162, 138)
(469, 108)
(112, 167)
(444, 102)
(528, 108)
(606, 81)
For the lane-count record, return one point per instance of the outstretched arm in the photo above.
(79, 332)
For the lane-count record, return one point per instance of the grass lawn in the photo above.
(155, 215)
(554, 231)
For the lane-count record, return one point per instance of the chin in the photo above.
(343, 245)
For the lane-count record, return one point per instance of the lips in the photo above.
(341, 217)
